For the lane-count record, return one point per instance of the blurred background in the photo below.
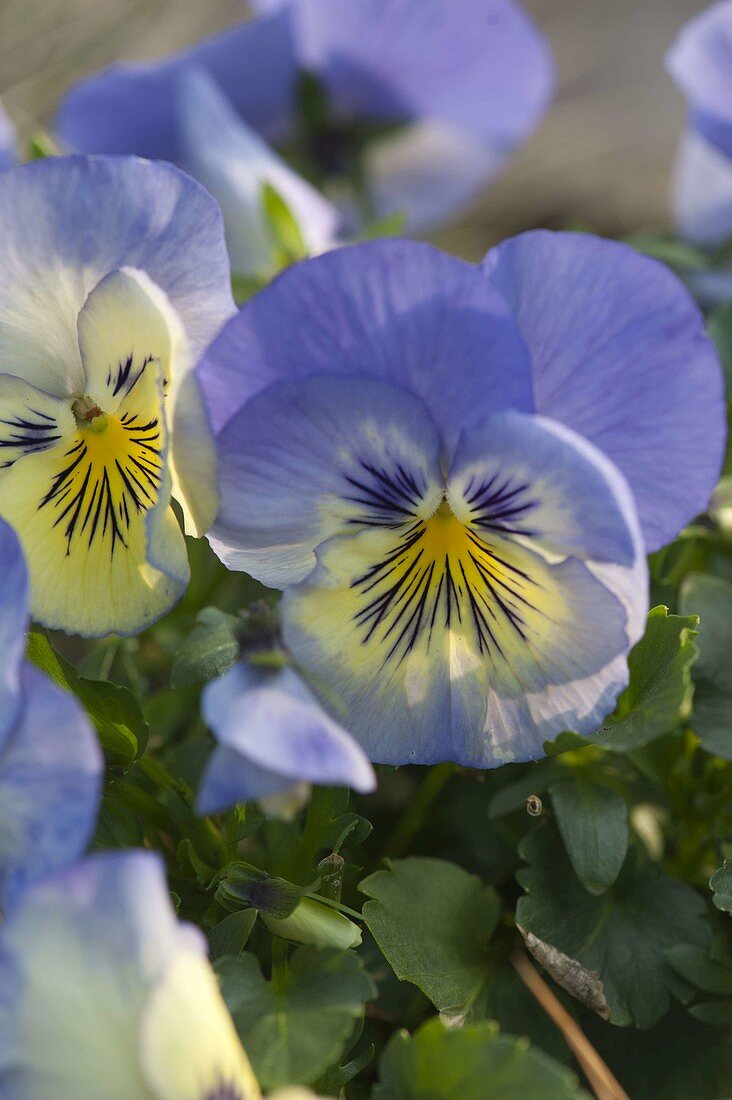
(601, 160)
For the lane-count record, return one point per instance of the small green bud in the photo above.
(243, 886)
(316, 924)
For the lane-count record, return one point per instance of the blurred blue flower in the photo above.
(50, 761)
(420, 102)
(115, 277)
(700, 62)
(8, 142)
(103, 992)
(455, 472)
(273, 737)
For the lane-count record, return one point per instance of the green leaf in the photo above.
(230, 936)
(711, 598)
(676, 254)
(243, 886)
(658, 696)
(432, 921)
(696, 966)
(391, 225)
(721, 885)
(623, 934)
(244, 287)
(210, 649)
(287, 235)
(473, 1063)
(593, 822)
(296, 1026)
(716, 1013)
(114, 710)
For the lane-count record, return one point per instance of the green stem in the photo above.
(414, 818)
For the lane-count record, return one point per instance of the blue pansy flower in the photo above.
(700, 61)
(436, 95)
(50, 761)
(102, 989)
(273, 738)
(8, 142)
(455, 472)
(114, 278)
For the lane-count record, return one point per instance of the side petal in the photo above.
(80, 508)
(50, 781)
(309, 459)
(273, 734)
(620, 355)
(132, 108)
(702, 192)
(530, 478)
(234, 163)
(126, 323)
(67, 222)
(189, 1047)
(13, 626)
(395, 310)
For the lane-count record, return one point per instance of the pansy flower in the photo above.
(455, 472)
(50, 761)
(700, 62)
(114, 278)
(274, 740)
(405, 106)
(104, 992)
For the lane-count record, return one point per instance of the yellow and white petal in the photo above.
(31, 421)
(127, 322)
(80, 508)
(189, 1048)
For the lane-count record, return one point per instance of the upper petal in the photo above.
(68, 221)
(133, 108)
(50, 780)
(396, 310)
(479, 65)
(702, 192)
(620, 355)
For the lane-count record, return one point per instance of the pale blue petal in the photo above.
(702, 192)
(133, 108)
(68, 221)
(50, 781)
(234, 164)
(700, 61)
(8, 142)
(309, 459)
(272, 734)
(621, 356)
(396, 310)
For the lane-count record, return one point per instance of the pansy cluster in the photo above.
(452, 472)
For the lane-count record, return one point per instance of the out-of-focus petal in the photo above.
(234, 163)
(50, 779)
(700, 61)
(133, 108)
(281, 736)
(392, 309)
(8, 142)
(702, 192)
(620, 355)
(13, 625)
(306, 460)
